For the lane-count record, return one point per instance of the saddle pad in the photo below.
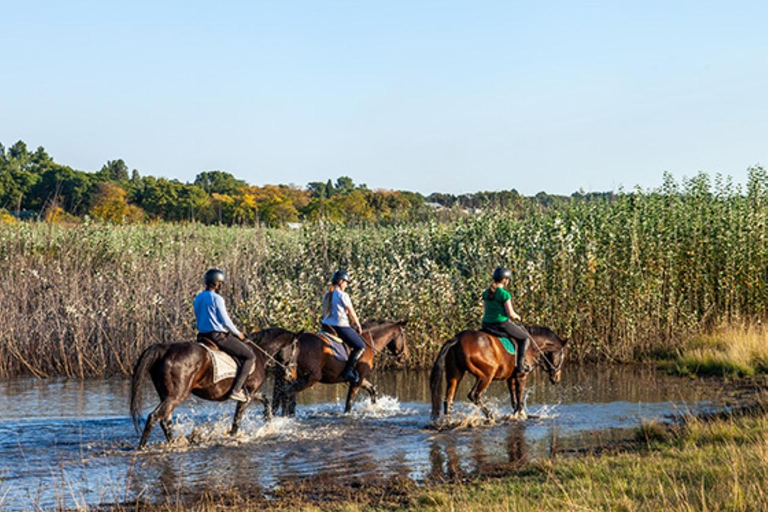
(338, 346)
(224, 365)
(508, 345)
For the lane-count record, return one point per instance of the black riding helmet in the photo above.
(213, 276)
(340, 275)
(500, 273)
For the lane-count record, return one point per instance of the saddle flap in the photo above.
(224, 366)
(337, 345)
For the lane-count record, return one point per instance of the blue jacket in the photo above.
(211, 314)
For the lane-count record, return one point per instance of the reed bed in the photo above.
(623, 278)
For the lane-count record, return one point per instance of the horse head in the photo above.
(282, 347)
(291, 374)
(398, 345)
(549, 351)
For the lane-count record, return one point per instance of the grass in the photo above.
(713, 464)
(732, 351)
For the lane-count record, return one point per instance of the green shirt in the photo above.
(494, 309)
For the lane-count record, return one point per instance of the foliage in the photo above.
(623, 278)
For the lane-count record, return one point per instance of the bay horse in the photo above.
(180, 369)
(483, 355)
(316, 363)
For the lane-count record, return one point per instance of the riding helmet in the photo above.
(213, 276)
(500, 273)
(340, 275)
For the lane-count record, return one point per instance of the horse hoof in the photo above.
(521, 415)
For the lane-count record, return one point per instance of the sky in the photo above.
(417, 95)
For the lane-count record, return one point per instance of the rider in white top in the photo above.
(337, 313)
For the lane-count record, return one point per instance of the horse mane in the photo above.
(373, 323)
(258, 336)
(541, 331)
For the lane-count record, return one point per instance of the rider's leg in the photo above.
(350, 336)
(243, 352)
(522, 338)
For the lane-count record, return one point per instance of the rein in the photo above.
(377, 351)
(553, 367)
(270, 356)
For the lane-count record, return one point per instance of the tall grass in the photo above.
(623, 279)
(729, 351)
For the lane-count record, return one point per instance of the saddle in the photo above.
(508, 344)
(224, 365)
(340, 350)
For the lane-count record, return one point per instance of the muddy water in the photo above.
(67, 444)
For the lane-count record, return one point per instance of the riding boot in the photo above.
(242, 375)
(350, 373)
(522, 349)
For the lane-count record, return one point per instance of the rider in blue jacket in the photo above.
(214, 324)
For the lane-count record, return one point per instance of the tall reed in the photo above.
(623, 278)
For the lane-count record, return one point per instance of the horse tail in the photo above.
(436, 377)
(147, 359)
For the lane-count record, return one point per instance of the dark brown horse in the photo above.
(483, 355)
(316, 363)
(180, 369)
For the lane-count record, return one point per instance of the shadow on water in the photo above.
(66, 444)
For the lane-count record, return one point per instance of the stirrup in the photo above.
(238, 396)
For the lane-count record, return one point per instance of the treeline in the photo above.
(33, 185)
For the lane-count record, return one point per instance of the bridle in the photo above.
(369, 343)
(554, 368)
(291, 365)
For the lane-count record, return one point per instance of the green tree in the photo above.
(219, 182)
(114, 170)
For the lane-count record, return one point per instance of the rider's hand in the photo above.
(518, 318)
(241, 336)
(359, 329)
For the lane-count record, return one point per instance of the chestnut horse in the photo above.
(316, 363)
(483, 355)
(180, 369)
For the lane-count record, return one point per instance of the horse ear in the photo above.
(565, 341)
(403, 322)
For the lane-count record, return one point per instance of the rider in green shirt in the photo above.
(499, 311)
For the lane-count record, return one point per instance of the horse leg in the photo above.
(519, 396)
(162, 412)
(278, 391)
(477, 390)
(239, 412)
(264, 400)
(353, 388)
(512, 387)
(167, 426)
(371, 389)
(453, 377)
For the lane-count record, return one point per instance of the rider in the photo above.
(337, 312)
(214, 324)
(498, 311)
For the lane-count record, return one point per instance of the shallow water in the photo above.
(66, 444)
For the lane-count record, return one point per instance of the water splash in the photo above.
(385, 407)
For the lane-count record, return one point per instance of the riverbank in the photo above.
(715, 461)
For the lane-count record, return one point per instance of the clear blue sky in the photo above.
(418, 95)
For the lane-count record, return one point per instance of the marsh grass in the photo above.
(729, 351)
(623, 279)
